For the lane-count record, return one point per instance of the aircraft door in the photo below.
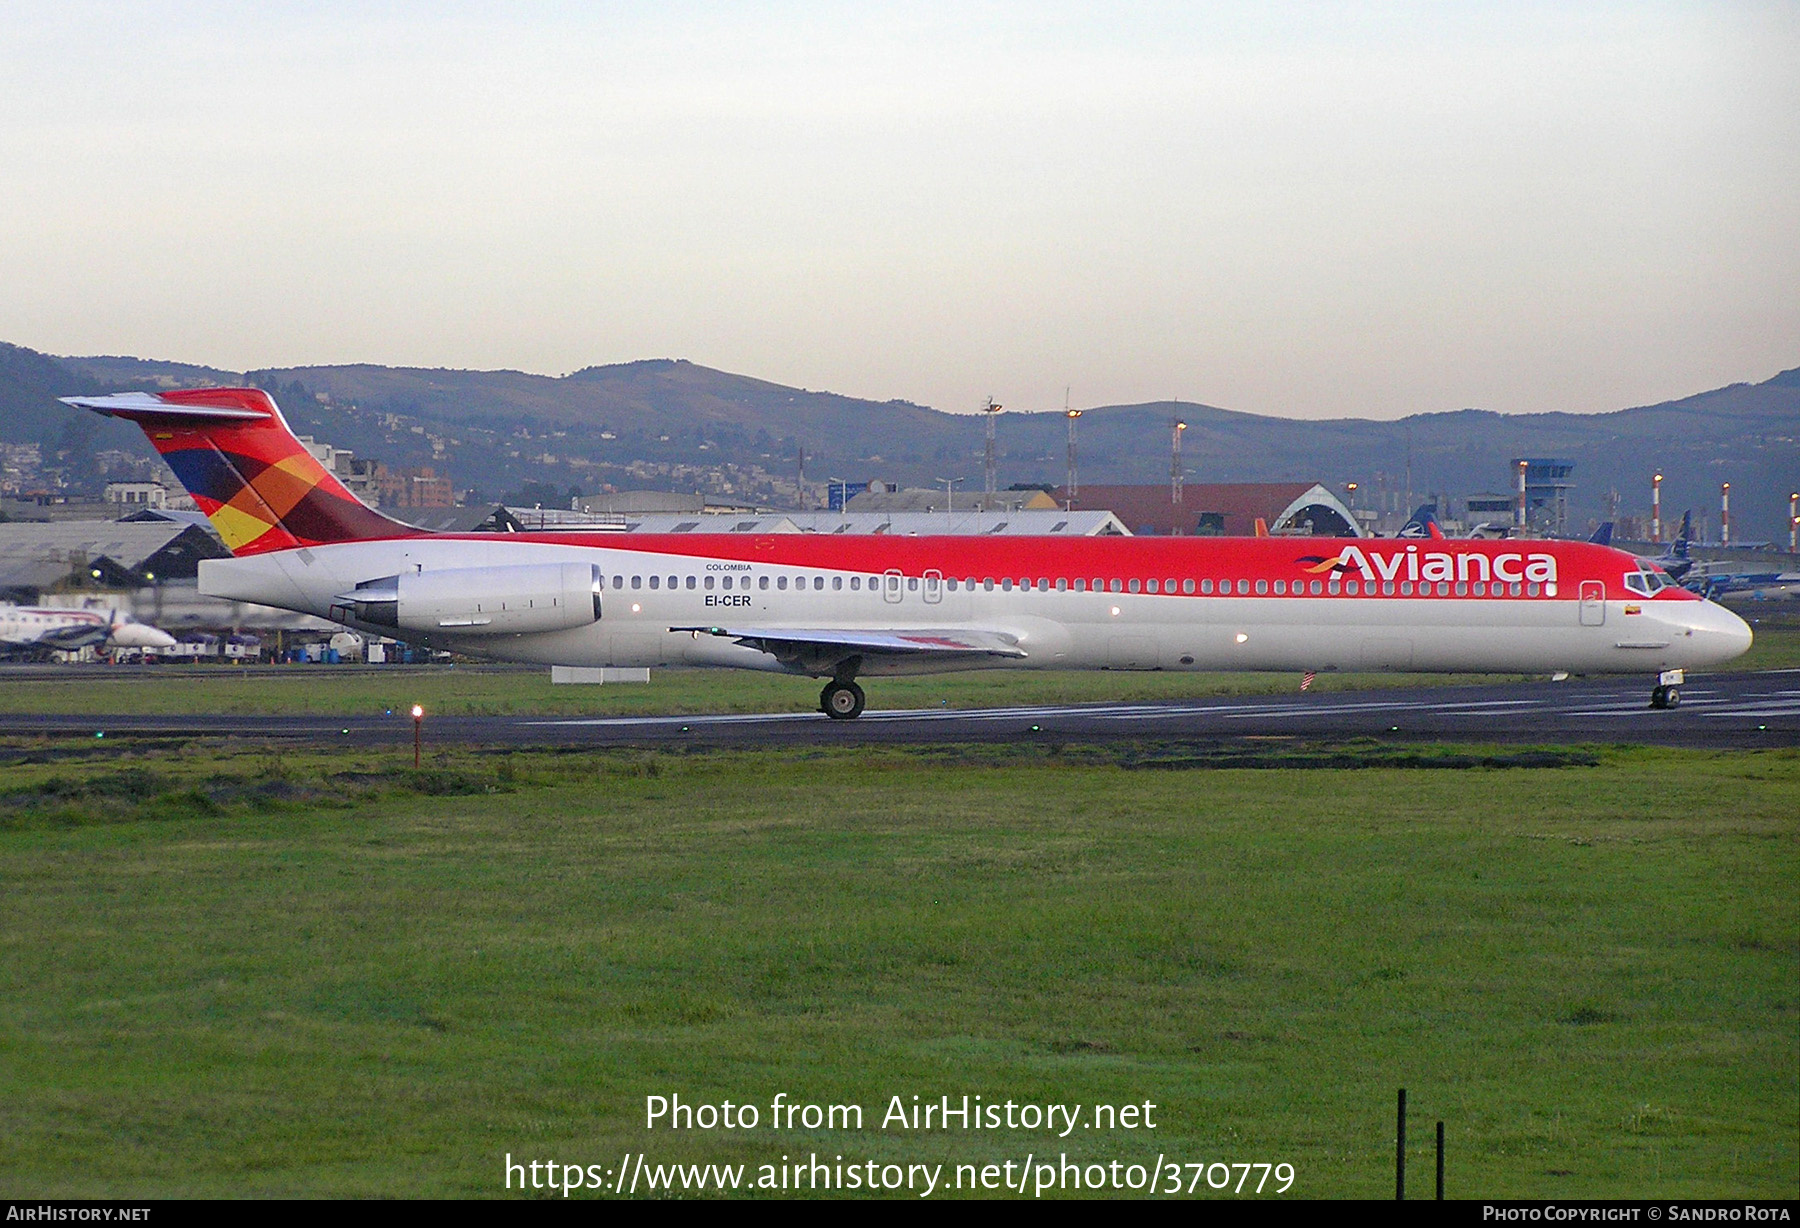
(934, 587)
(1593, 603)
(893, 586)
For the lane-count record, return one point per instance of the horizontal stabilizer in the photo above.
(147, 407)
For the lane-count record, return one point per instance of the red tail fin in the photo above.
(236, 455)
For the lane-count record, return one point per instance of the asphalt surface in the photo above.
(1718, 711)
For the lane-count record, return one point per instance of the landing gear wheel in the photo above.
(1665, 697)
(841, 701)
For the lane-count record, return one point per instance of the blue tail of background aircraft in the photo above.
(1423, 523)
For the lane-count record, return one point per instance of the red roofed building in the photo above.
(1222, 509)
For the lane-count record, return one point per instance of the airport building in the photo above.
(100, 554)
(1220, 509)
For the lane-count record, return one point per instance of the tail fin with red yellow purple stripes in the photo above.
(237, 456)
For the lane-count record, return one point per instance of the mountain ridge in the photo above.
(670, 423)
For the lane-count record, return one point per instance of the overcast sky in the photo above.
(1312, 210)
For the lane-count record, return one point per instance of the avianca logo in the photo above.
(1430, 565)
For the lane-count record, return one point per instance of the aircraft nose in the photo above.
(1720, 635)
(138, 635)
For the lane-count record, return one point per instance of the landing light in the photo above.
(1115, 610)
(636, 608)
(1242, 638)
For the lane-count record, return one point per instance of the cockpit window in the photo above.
(1646, 583)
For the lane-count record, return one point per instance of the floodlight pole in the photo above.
(1071, 490)
(991, 409)
(1176, 427)
(949, 494)
(418, 715)
(1656, 508)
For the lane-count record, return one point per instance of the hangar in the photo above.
(115, 554)
(1221, 509)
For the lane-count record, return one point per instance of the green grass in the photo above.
(490, 691)
(234, 971)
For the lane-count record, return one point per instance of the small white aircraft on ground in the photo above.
(25, 629)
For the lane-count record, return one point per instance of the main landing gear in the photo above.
(841, 701)
(1667, 692)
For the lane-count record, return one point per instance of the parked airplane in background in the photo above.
(1675, 560)
(26, 629)
(1423, 524)
(1754, 585)
(841, 608)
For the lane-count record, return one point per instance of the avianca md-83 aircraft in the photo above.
(840, 608)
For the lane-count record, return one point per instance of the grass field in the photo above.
(242, 971)
(484, 691)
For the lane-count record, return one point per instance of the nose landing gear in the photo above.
(841, 701)
(1667, 692)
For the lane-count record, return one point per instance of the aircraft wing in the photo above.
(814, 647)
(69, 638)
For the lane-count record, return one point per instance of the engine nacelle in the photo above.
(481, 600)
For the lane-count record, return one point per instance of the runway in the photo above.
(1721, 711)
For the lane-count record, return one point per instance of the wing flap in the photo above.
(916, 641)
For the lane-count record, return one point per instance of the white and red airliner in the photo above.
(841, 608)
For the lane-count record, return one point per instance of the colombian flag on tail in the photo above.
(236, 455)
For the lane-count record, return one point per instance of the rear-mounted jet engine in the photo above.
(480, 600)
